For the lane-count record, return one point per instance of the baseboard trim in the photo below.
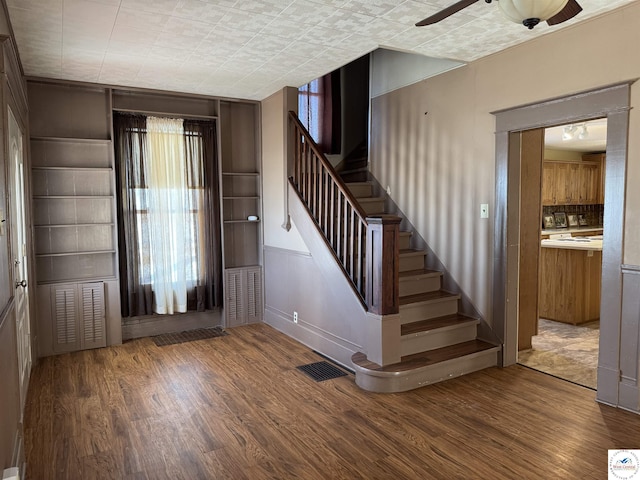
(312, 338)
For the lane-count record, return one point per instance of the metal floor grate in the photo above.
(321, 371)
(188, 336)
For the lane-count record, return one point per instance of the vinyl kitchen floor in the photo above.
(565, 351)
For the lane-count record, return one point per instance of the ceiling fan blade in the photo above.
(571, 9)
(442, 14)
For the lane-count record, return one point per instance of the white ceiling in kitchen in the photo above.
(247, 49)
(590, 136)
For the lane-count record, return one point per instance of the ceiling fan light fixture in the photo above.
(531, 12)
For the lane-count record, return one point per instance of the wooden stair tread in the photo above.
(411, 252)
(424, 359)
(420, 273)
(370, 199)
(427, 296)
(353, 170)
(436, 323)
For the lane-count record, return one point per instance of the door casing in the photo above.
(612, 102)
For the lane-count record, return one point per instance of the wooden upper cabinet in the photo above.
(549, 183)
(589, 183)
(573, 183)
(601, 160)
(563, 172)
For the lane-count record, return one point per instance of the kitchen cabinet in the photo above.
(601, 160)
(570, 284)
(571, 183)
(548, 183)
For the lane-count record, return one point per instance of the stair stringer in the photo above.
(378, 336)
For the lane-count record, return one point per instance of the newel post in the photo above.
(383, 258)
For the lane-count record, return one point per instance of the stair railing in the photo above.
(366, 247)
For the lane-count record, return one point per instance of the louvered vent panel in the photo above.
(93, 323)
(254, 295)
(234, 305)
(64, 308)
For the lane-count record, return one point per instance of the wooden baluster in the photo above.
(332, 212)
(345, 233)
(360, 256)
(352, 244)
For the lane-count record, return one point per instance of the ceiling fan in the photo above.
(527, 12)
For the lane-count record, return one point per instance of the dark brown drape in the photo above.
(331, 113)
(204, 134)
(320, 111)
(133, 229)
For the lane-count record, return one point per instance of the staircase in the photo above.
(411, 326)
(436, 341)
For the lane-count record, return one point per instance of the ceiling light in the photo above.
(531, 12)
(568, 132)
(584, 133)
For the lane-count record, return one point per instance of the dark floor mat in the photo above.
(321, 371)
(188, 336)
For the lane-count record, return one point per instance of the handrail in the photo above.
(365, 247)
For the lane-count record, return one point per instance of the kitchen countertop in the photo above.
(572, 230)
(575, 243)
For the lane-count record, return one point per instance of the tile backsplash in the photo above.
(593, 213)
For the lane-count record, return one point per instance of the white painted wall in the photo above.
(274, 122)
(391, 70)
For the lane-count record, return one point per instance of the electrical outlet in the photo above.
(389, 190)
(295, 317)
(484, 210)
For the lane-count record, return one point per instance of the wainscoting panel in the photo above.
(629, 393)
(330, 319)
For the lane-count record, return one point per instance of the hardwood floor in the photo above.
(235, 407)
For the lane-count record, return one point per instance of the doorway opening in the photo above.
(613, 103)
(563, 340)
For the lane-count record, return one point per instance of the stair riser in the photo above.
(415, 312)
(361, 190)
(404, 241)
(422, 285)
(410, 344)
(426, 376)
(413, 262)
(372, 207)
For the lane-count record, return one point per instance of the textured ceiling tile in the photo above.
(265, 7)
(238, 19)
(200, 10)
(285, 28)
(346, 21)
(153, 6)
(375, 8)
(128, 17)
(307, 12)
(319, 35)
(247, 48)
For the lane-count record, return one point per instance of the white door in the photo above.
(19, 254)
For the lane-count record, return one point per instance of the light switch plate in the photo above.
(484, 210)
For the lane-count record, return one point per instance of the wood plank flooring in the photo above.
(235, 407)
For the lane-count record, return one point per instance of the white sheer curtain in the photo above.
(168, 213)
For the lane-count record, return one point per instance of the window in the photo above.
(319, 110)
(169, 243)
